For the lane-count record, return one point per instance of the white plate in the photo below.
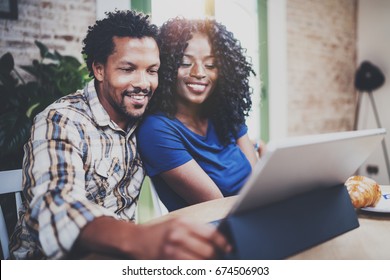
(383, 205)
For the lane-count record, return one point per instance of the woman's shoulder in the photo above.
(155, 119)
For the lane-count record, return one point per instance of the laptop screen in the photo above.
(299, 164)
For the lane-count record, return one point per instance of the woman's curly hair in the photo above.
(231, 101)
(98, 43)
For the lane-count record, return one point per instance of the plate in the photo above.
(383, 205)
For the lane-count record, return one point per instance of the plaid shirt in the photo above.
(78, 165)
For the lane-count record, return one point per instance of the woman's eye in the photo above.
(210, 66)
(185, 64)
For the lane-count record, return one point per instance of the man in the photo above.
(82, 172)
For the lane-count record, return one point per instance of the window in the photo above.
(241, 18)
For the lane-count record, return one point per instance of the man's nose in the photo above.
(141, 81)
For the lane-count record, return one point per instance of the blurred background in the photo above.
(306, 54)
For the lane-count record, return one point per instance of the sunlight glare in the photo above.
(162, 10)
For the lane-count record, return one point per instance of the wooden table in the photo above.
(370, 241)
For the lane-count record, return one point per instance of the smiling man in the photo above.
(127, 80)
(82, 173)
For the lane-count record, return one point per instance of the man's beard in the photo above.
(134, 114)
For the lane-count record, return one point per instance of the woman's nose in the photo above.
(198, 71)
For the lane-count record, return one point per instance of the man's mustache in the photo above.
(139, 91)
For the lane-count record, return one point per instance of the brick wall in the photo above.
(61, 25)
(321, 59)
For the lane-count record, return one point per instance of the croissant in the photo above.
(364, 192)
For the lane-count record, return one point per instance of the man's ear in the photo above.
(98, 71)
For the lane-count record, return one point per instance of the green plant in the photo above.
(54, 75)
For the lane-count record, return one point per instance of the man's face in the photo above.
(128, 79)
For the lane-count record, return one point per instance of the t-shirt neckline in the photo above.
(194, 133)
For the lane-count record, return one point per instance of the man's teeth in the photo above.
(197, 86)
(138, 97)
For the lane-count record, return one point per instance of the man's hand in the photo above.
(180, 239)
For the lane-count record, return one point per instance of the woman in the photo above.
(194, 142)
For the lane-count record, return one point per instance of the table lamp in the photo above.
(369, 77)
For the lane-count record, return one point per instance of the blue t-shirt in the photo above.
(166, 143)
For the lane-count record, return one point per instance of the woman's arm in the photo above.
(192, 183)
(247, 148)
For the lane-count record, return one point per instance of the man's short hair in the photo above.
(98, 44)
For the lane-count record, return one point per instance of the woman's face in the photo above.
(197, 74)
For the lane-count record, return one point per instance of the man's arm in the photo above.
(54, 185)
(170, 239)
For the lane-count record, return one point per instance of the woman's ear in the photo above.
(98, 71)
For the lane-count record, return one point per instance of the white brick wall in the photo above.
(321, 62)
(61, 25)
(373, 45)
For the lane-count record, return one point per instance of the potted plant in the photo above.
(54, 75)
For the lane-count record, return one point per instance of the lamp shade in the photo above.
(368, 77)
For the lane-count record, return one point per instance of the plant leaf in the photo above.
(42, 49)
(31, 109)
(30, 69)
(58, 55)
(15, 130)
(7, 63)
(20, 102)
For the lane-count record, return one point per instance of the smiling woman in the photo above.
(196, 125)
(245, 30)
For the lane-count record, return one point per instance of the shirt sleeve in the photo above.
(161, 145)
(242, 131)
(54, 180)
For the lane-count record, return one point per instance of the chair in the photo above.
(149, 204)
(10, 182)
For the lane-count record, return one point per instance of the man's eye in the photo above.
(127, 69)
(153, 71)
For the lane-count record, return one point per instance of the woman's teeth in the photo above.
(197, 87)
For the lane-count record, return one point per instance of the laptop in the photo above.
(294, 198)
(299, 164)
